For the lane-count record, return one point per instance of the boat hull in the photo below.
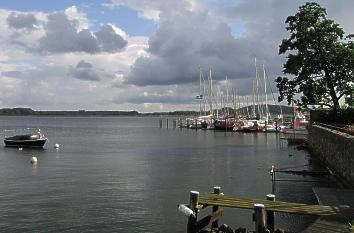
(37, 143)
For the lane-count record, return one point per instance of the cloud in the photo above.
(84, 71)
(63, 33)
(140, 73)
(186, 40)
(190, 37)
(152, 98)
(152, 9)
(22, 21)
(109, 40)
(12, 73)
(62, 36)
(172, 94)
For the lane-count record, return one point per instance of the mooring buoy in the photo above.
(34, 159)
(56, 146)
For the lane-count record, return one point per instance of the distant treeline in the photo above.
(31, 112)
(274, 109)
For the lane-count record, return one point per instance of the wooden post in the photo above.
(270, 214)
(193, 200)
(160, 121)
(260, 220)
(276, 127)
(192, 220)
(217, 190)
(166, 123)
(192, 224)
(174, 123)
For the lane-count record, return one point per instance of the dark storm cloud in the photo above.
(84, 71)
(186, 39)
(21, 21)
(62, 35)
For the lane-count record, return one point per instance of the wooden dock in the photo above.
(276, 206)
(264, 212)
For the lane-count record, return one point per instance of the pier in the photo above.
(264, 212)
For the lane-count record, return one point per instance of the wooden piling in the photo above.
(192, 220)
(192, 224)
(270, 214)
(160, 123)
(193, 200)
(260, 220)
(166, 123)
(217, 190)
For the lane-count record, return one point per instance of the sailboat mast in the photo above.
(257, 87)
(210, 92)
(248, 113)
(265, 91)
(227, 97)
(254, 102)
(200, 91)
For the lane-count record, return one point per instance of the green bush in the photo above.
(339, 117)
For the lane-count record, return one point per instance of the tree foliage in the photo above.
(320, 59)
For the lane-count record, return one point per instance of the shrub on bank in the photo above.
(339, 117)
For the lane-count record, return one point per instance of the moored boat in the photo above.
(37, 140)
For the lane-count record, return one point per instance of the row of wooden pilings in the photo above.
(264, 220)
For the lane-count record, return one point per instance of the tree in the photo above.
(320, 59)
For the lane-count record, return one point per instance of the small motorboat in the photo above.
(36, 140)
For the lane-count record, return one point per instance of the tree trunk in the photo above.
(332, 91)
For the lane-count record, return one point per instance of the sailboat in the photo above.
(203, 121)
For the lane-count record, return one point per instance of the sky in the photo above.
(142, 55)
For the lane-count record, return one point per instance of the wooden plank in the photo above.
(277, 206)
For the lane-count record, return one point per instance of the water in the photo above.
(118, 174)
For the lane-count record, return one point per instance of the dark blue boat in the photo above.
(26, 140)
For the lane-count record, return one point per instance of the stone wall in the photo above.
(334, 148)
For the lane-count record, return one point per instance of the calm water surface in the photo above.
(118, 174)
